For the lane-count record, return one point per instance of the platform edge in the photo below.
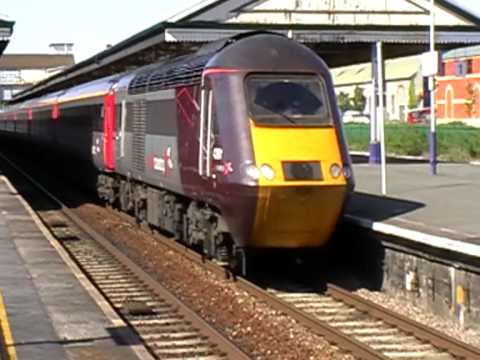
(417, 236)
(7, 346)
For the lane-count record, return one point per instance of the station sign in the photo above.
(430, 63)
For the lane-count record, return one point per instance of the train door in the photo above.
(109, 125)
(206, 138)
(121, 123)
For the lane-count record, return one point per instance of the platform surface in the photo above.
(50, 314)
(444, 206)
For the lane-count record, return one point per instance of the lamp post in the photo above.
(431, 87)
(381, 116)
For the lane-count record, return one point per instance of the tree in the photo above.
(358, 100)
(344, 103)
(412, 95)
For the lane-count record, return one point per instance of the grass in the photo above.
(456, 142)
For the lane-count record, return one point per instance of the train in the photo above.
(235, 148)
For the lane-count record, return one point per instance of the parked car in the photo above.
(355, 116)
(419, 116)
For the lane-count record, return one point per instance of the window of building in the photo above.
(9, 77)
(463, 67)
(441, 69)
(469, 66)
(7, 94)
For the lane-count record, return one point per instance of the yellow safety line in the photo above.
(6, 332)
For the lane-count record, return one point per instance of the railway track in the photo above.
(386, 335)
(352, 323)
(166, 326)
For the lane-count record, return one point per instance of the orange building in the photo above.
(458, 87)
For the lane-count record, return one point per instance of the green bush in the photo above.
(358, 136)
(456, 141)
(405, 140)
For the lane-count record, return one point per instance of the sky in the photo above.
(93, 24)
(90, 24)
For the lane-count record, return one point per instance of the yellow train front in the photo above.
(281, 169)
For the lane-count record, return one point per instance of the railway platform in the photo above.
(439, 211)
(48, 310)
(428, 231)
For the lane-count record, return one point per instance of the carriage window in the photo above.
(288, 100)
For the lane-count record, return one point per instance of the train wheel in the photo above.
(240, 262)
(125, 197)
(223, 248)
(141, 212)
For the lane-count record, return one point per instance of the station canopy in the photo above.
(6, 29)
(341, 32)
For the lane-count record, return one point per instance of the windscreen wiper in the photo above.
(286, 117)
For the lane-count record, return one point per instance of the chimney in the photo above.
(61, 48)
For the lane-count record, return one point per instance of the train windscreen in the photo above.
(288, 100)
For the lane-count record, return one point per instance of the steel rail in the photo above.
(231, 350)
(330, 333)
(403, 323)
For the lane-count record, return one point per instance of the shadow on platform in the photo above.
(379, 208)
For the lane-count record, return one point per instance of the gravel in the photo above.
(261, 331)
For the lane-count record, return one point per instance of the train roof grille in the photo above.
(170, 74)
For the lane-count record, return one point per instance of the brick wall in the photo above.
(458, 91)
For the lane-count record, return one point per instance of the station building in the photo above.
(341, 32)
(20, 71)
(6, 29)
(458, 90)
(400, 75)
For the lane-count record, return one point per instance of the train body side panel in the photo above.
(65, 142)
(227, 189)
(188, 124)
(147, 146)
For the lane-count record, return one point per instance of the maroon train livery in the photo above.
(236, 147)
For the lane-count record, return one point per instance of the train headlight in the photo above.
(253, 172)
(267, 172)
(335, 171)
